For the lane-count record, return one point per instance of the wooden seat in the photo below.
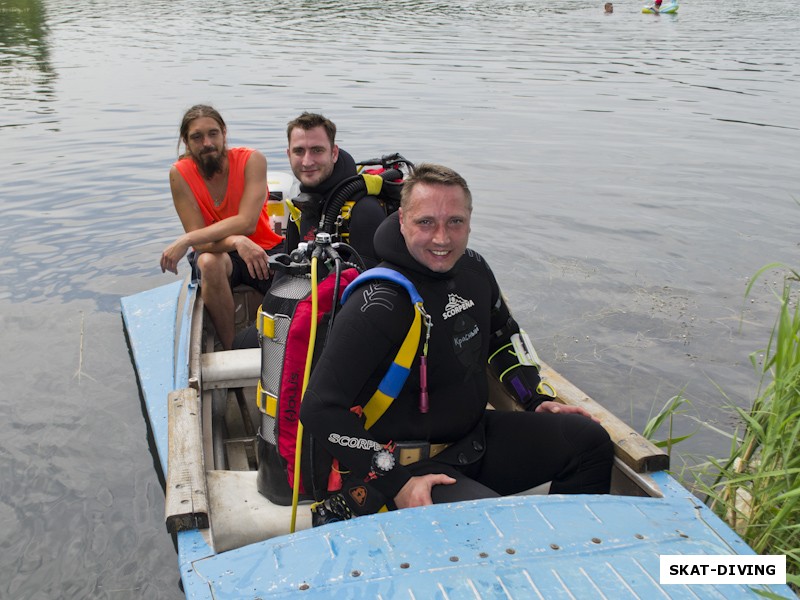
(231, 368)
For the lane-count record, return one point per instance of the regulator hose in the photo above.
(349, 189)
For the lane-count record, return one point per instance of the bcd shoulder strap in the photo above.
(394, 380)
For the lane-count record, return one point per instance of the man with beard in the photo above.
(320, 166)
(220, 196)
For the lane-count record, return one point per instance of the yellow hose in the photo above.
(298, 448)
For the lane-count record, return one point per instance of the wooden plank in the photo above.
(186, 504)
(231, 368)
(243, 516)
(239, 439)
(641, 455)
(634, 450)
(207, 421)
(196, 341)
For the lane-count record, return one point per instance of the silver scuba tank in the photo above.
(273, 321)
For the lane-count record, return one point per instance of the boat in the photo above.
(667, 9)
(233, 543)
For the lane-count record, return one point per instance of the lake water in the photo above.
(630, 174)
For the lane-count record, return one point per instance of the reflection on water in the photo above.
(630, 173)
(26, 76)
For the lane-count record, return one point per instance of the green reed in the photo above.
(757, 488)
(674, 407)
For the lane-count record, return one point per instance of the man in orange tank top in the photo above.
(220, 196)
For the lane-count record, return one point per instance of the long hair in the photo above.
(196, 112)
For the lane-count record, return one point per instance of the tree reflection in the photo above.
(25, 71)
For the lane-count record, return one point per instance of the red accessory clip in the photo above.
(424, 406)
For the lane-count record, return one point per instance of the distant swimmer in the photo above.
(609, 7)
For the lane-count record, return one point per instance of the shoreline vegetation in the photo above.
(756, 489)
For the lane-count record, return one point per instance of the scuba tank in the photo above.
(284, 326)
(273, 321)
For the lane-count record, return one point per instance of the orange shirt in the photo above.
(229, 207)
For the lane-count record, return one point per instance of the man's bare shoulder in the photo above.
(176, 179)
(255, 162)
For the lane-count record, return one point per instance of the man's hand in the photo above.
(173, 254)
(417, 490)
(557, 407)
(254, 257)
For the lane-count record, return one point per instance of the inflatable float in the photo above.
(667, 9)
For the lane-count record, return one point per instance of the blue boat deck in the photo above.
(516, 547)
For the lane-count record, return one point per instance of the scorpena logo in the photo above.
(455, 304)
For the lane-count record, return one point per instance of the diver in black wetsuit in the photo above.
(320, 166)
(456, 449)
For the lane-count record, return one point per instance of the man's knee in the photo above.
(591, 456)
(581, 430)
(214, 267)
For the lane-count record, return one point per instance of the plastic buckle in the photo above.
(545, 389)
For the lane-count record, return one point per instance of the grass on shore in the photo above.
(756, 489)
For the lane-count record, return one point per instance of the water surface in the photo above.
(630, 174)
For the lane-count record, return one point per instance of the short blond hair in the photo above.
(433, 174)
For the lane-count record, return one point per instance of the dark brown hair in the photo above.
(308, 121)
(197, 111)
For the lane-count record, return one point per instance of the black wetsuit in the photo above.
(365, 217)
(493, 452)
